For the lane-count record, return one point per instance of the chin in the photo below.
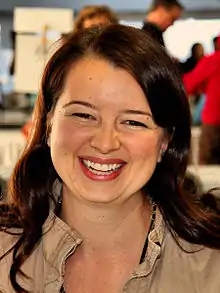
(105, 199)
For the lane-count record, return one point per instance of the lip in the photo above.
(104, 177)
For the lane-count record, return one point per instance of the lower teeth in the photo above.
(96, 172)
(100, 172)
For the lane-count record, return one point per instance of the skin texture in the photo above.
(105, 133)
(95, 117)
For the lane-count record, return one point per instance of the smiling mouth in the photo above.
(102, 169)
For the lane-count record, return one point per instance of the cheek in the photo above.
(66, 136)
(144, 147)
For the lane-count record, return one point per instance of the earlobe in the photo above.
(162, 152)
(48, 140)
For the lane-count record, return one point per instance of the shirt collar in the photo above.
(155, 240)
(59, 241)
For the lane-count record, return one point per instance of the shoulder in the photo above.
(210, 59)
(33, 266)
(185, 267)
(7, 241)
(197, 262)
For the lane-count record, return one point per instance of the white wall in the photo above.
(184, 33)
(11, 145)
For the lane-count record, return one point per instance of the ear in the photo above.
(162, 151)
(48, 140)
(163, 147)
(167, 137)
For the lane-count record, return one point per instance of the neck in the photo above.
(105, 225)
(156, 18)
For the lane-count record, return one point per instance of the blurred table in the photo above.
(12, 143)
(13, 119)
(195, 144)
(208, 174)
(12, 140)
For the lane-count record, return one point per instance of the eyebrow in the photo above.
(86, 104)
(82, 103)
(138, 112)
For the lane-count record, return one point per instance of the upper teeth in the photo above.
(101, 167)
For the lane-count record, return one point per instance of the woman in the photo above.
(112, 128)
(91, 15)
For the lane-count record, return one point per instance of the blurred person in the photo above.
(112, 128)
(12, 65)
(162, 15)
(216, 45)
(198, 99)
(197, 53)
(88, 16)
(205, 77)
(95, 15)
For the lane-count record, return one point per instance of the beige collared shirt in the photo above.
(166, 268)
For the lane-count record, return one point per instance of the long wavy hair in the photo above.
(31, 184)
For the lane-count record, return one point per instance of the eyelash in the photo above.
(131, 123)
(134, 123)
(85, 116)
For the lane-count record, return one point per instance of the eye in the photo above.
(84, 116)
(134, 123)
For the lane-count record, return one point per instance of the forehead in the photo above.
(98, 80)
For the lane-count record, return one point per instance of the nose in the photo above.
(105, 139)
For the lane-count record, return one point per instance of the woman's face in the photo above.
(104, 142)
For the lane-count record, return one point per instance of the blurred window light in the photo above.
(180, 37)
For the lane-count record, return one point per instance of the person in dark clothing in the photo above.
(154, 31)
(197, 53)
(12, 65)
(198, 100)
(216, 43)
(162, 15)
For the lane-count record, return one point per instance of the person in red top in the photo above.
(206, 77)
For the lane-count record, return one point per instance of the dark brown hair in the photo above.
(93, 11)
(168, 4)
(31, 184)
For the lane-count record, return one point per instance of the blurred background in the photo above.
(28, 29)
